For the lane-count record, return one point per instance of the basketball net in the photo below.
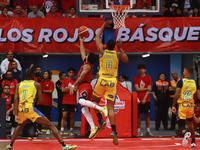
(119, 13)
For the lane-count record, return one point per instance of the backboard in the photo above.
(101, 7)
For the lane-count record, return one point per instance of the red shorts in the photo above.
(85, 91)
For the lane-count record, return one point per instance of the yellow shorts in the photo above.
(185, 110)
(107, 87)
(28, 111)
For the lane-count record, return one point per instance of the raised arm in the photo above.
(98, 37)
(82, 49)
(121, 55)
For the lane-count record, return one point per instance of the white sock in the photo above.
(88, 116)
(88, 103)
(148, 129)
(62, 129)
(138, 130)
(71, 129)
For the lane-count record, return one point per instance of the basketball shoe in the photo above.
(114, 137)
(193, 145)
(102, 124)
(104, 111)
(93, 132)
(8, 147)
(69, 147)
(185, 139)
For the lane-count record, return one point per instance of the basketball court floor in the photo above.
(101, 143)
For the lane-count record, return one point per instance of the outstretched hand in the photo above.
(107, 23)
(81, 39)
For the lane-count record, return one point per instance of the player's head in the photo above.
(110, 44)
(91, 58)
(141, 69)
(28, 74)
(162, 76)
(188, 71)
(71, 72)
(6, 89)
(62, 75)
(47, 75)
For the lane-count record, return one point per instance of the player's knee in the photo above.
(85, 110)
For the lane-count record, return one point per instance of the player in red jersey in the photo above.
(85, 89)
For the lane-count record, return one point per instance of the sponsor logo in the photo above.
(111, 96)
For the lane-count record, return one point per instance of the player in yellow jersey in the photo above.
(186, 88)
(107, 81)
(24, 99)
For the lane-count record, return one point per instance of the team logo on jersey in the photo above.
(142, 84)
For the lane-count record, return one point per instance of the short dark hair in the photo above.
(110, 44)
(162, 73)
(8, 71)
(141, 66)
(125, 77)
(61, 73)
(49, 74)
(92, 58)
(28, 74)
(6, 85)
(189, 69)
(37, 67)
(71, 69)
(4, 8)
(72, 7)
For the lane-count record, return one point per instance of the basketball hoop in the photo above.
(119, 13)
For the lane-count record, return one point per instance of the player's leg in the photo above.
(147, 109)
(63, 121)
(192, 131)
(44, 121)
(111, 115)
(72, 122)
(15, 135)
(139, 124)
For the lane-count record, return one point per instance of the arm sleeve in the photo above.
(180, 84)
(135, 81)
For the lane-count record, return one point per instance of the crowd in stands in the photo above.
(67, 8)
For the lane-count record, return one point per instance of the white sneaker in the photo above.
(12, 130)
(149, 134)
(185, 139)
(193, 145)
(48, 132)
(38, 131)
(140, 134)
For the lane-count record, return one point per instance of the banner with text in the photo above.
(60, 35)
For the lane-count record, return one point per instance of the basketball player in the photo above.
(85, 89)
(107, 81)
(25, 95)
(186, 88)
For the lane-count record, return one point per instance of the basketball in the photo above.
(83, 31)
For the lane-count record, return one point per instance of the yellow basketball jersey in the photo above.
(187, 91)
(108, 63)
(27, 91)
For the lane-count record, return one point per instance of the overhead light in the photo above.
(145, 55)
(45, 55)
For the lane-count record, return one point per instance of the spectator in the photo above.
(3, 4)
(38, 74)
(196, 3)
(93, 82)
(160, 94)
(10, 81)
(178, 13)
(188, 6)
(53, 13)
(22, 3)
(144, 7)
(62, 76)
(65, 5)
(99, 3)
(174, 4)
(143, 3)
(172, 89)
(127, 84)
(19, 13)
(6, 63)
(35, 13)
(17, 74)
(185, 12)
(38, 3)
(9, 106)
(72, 13)
(69, 103)
(4, 13)
(47, 90)
(195, 12)
(143, 84)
